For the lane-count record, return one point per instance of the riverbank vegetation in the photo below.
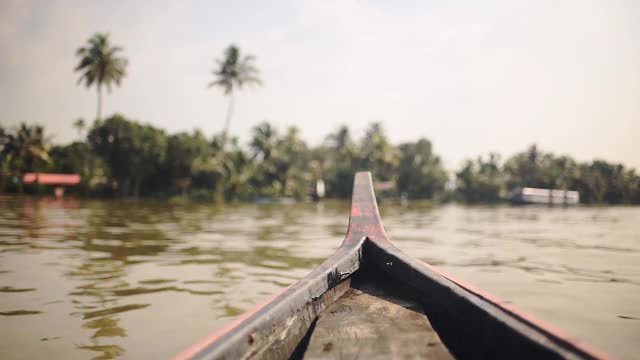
(119, 157)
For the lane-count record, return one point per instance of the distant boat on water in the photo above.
(530, 195)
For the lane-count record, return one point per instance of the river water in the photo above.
(87, 279)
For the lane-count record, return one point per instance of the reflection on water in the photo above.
(108, 279)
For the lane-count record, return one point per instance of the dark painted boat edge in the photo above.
(293, 311)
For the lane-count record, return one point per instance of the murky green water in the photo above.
(108, 279)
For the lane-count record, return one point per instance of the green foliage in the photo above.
(598, 182)
(414, 169)
(4, 163)
(73, 158)
(234, 71)
(24, 149)
(134, 159)
(290, 162)
(182, 151)
(534, 168)
(340, 159)
(100, 65)
(128, 158)
(480, 181)
(80, 125)
(377, 154)
(420, 173)
(70, 158)
(132, 151)
(603, 182)
(216, 168)
(280, 161)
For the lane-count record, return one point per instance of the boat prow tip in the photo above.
(364, 219)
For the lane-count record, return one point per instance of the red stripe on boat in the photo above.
(521, 314)
(202, 344)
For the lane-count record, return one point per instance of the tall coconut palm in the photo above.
(79, 124)
(100, 65)
(234, 71)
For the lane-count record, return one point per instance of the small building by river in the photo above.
(58, 181)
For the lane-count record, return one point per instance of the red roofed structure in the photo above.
(51, 179)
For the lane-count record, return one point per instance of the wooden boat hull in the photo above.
(470, 323)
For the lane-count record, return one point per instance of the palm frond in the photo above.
(234, 70)
(99, 63)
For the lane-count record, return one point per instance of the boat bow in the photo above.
(472, 323)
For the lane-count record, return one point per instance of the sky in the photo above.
(471, 76)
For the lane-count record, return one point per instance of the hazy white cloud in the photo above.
(472, 77)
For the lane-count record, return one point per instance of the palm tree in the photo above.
(233, 72)
(79, 124)
(289, 157)
(3, 157)
(342, 144)
(100, 65)
(264, 141)
(378, 153)
(24, 149)
(26, 146)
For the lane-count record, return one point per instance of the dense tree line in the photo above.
(489, 180)
(121, 157)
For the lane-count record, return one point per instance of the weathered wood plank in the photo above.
(369, 322)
